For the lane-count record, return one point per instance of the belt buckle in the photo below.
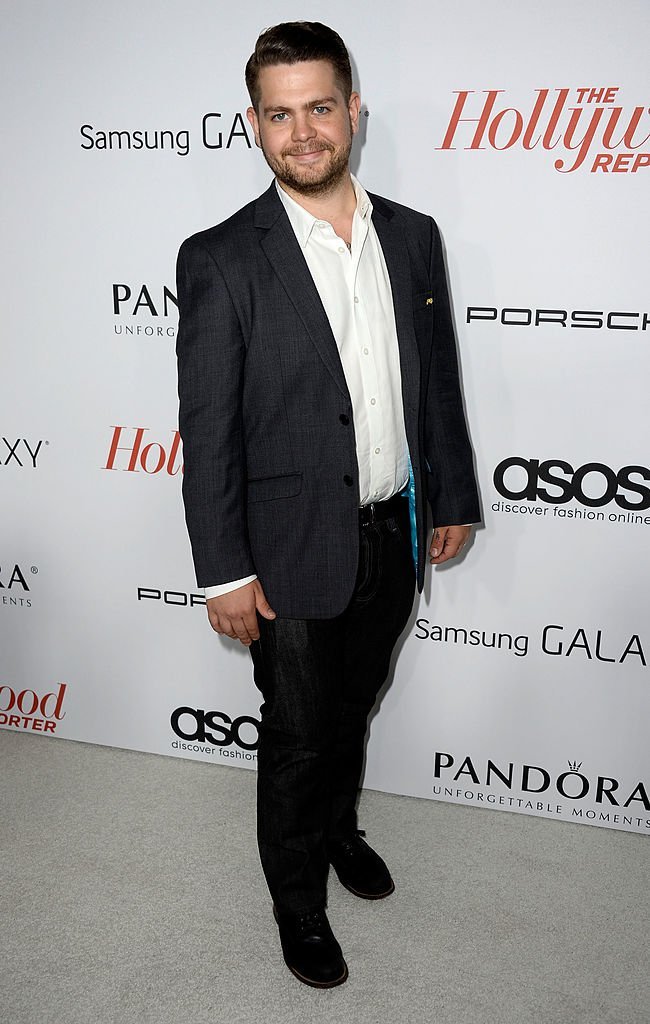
(367, 514)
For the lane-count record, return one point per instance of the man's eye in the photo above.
(279, 116)
(321, 109)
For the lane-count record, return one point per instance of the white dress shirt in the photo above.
(355, 290)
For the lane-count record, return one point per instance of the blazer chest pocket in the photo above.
(271, 487)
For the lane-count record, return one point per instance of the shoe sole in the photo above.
(318, 984)
(366, 895)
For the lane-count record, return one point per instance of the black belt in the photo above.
(379, 510)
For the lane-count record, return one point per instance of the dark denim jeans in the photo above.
(319, 679)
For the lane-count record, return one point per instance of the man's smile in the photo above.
(308, 156)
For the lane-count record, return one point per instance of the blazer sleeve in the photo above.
(451, 482)
(211, 355)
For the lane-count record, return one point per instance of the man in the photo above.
(319, 409)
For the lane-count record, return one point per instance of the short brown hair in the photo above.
(292, 42)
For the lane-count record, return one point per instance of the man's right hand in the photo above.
(235, 614)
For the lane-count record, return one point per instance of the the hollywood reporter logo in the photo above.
(556, 481)
(26, 709)
(584, 124)
(132, 452)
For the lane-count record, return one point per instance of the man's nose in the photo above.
(303, 128)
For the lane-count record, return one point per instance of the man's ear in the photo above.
(354, 106)
(254, 123)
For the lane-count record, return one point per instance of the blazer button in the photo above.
(347, 479)
(344, 419)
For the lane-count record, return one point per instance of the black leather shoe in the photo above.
(360, 869)
(310, 950)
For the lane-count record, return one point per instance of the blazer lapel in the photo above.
(285, 256)
(393, 244)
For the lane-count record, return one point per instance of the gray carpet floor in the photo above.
(131, 892)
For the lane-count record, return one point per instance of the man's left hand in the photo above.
(447, 542)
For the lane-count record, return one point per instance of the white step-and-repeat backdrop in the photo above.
(523, 680)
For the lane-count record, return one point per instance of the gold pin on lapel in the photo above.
(429, 301)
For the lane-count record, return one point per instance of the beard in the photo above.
(307, 180)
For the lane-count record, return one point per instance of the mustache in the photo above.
(303, 150)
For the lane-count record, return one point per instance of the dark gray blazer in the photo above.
(271, 482)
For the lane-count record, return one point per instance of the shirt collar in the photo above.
(303, 222)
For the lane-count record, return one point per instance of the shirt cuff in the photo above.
(225, 588)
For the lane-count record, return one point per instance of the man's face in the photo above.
(304, 126)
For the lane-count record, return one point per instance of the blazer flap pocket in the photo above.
(269, 487)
